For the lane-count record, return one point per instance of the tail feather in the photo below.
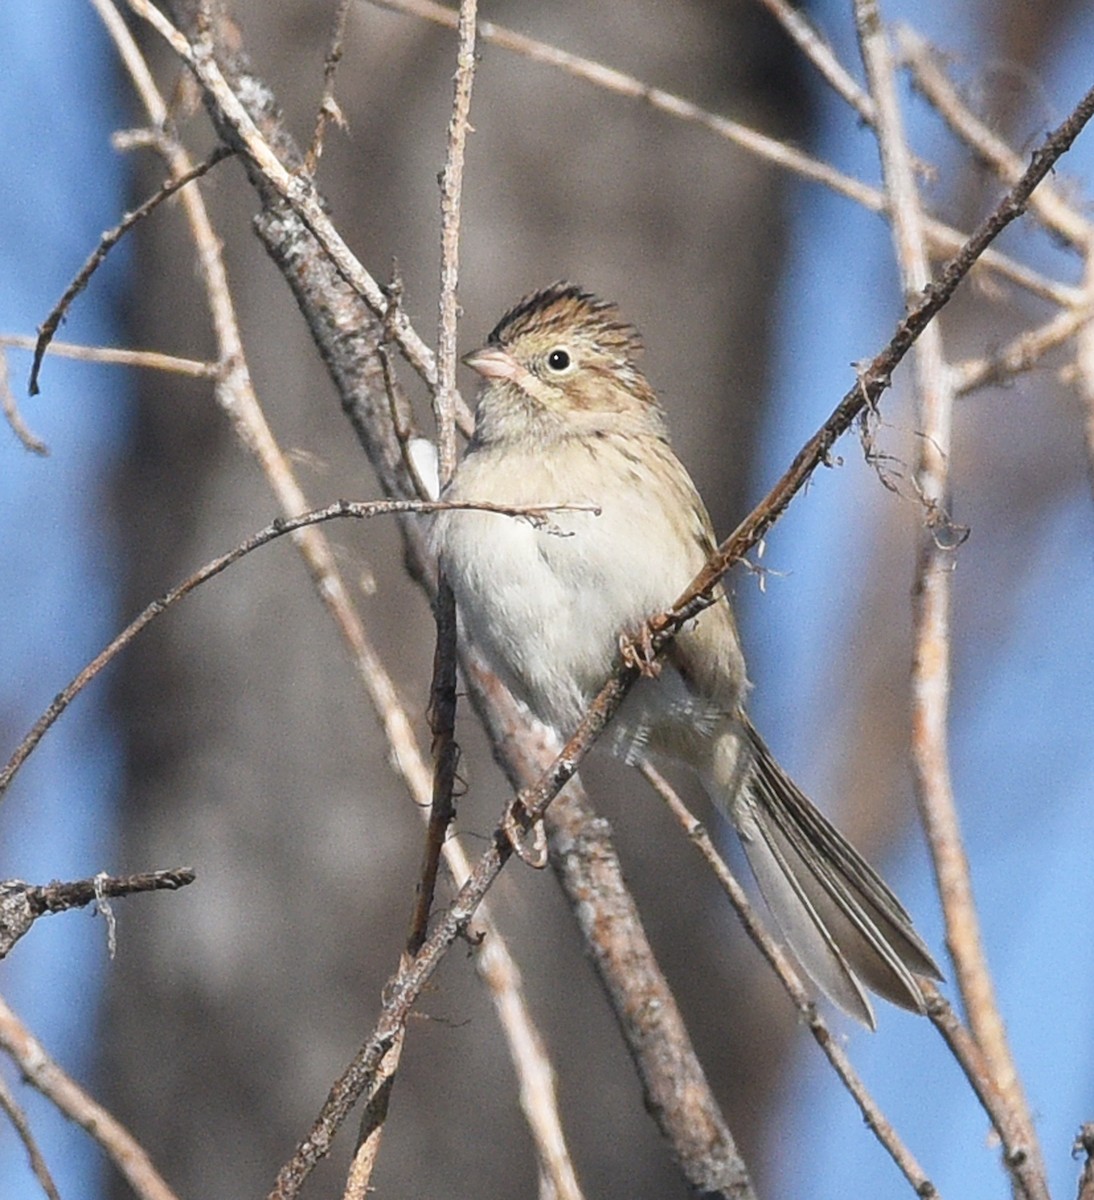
(837, 914)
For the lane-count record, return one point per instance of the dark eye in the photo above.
(558, 359)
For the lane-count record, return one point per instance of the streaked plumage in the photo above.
(566, 416)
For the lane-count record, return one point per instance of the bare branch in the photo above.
(877, 374)
(442, 706)
(1019, 1155)
(931, 659)
(44, 1074)
(21, 1125)
(451, 194)
(328, 106)
(21, 904)
(280, 527)
(150, 359)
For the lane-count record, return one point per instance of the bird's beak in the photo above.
(492, 362)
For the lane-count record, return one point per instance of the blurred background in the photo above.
(233, 737)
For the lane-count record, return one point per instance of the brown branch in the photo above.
(876, 376)
(783, 966)
(1020, 1157)
(21, 904)
(328, 107)
(675, 1089)
(106, 243)
(444, 400)
(21, 1125)
(442, 705)
(45, 1075)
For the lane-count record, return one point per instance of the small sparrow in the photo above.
(565, 416)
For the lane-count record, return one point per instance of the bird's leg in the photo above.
(637, 651)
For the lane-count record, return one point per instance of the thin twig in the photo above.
(21, 904)
(60, 897)
(151, 359)
(451, 195)
(784, 968)
(930, 679)
(876, 376)
(329, 108)
(822, 56)
(530, 804)
(442, 705)
(282, 526)
(11, 411)
(106, 243)
(21, 1125)
(443, 696)
(44, 1074)
(945, 239)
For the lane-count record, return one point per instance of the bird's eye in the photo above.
(558, 359)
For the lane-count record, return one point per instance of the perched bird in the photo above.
(566, 416)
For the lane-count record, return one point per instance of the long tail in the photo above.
(838, 915)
